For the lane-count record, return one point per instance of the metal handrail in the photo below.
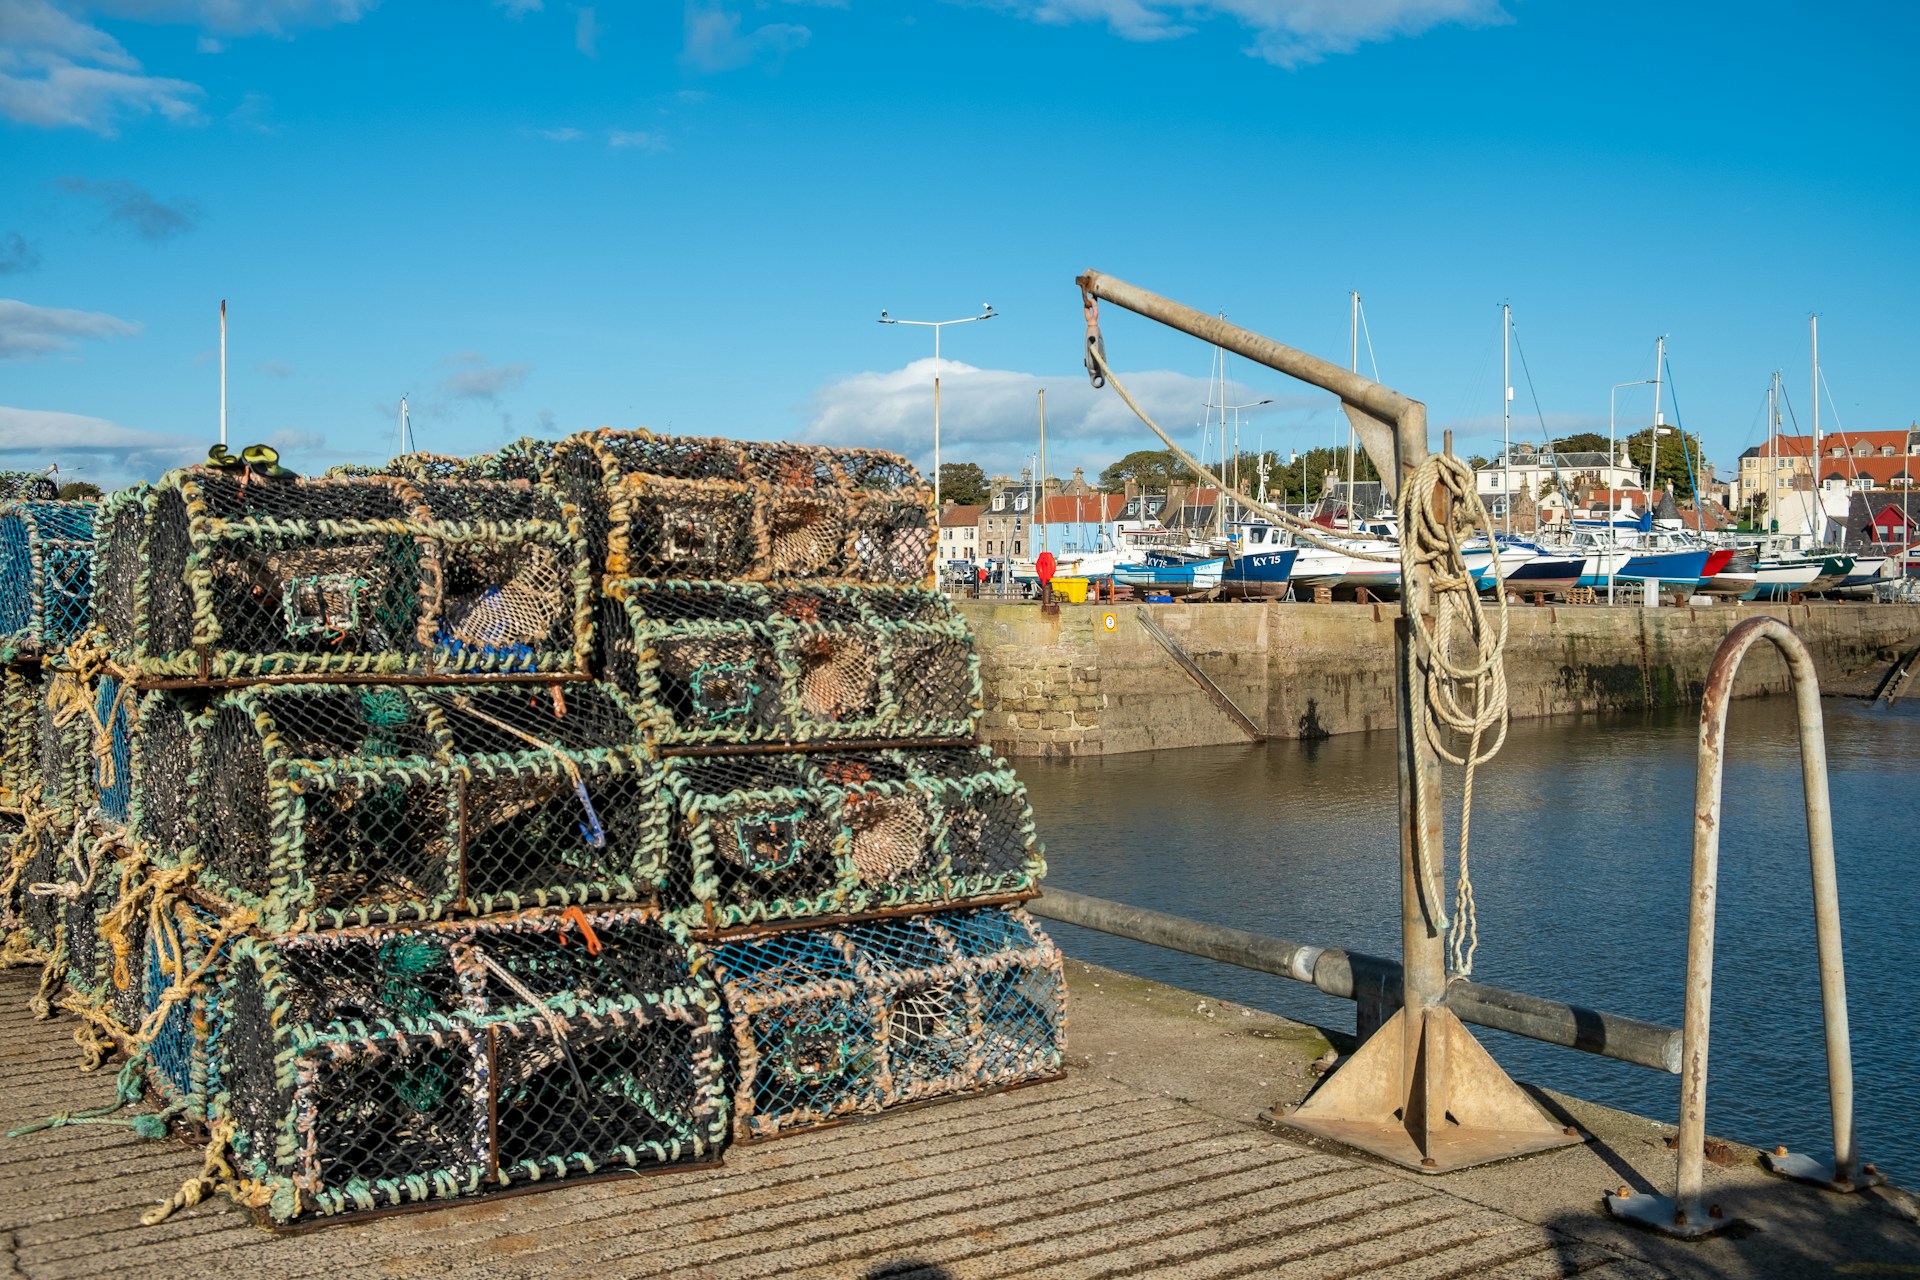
(1685, 1214)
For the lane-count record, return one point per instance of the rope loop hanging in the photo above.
(1465, 695)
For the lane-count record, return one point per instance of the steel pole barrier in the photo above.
(1684, 1213)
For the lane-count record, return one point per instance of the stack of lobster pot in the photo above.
(836, 838)
(382, 917)
(46, 593)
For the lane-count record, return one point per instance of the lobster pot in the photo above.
(27, 486)
(184, 1058)
(760, 838)
(369, 1068)
(322, 806)
(679, 507)
(225, 577)
(22, 691)
(66, 765)
(120, 571)
(524, 460)
(713, 662)
(13, 879)
(833, 1022)
(158, 800)
(46, 575)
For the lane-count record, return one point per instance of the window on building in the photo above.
(1886, 451)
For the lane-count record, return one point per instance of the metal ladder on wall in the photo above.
(1685, 1213)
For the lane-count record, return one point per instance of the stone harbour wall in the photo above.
(1094, 681)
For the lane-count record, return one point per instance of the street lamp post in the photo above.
(1236, 408)
(986, 313)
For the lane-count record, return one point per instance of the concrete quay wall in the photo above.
(1094, 681)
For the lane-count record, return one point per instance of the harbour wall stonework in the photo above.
(1093, 680)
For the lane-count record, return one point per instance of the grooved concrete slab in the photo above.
(1087, 1177)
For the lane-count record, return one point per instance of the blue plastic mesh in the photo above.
(46, 574)
(113, 706)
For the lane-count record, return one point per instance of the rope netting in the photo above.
(680, 507)
(382, 931)
(713, 662)
(215, 576)
(370, 1068)
(761, 838)
(320, 805)
(46, 575)
(830, 1022)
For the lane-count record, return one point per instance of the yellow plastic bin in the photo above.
(1072, 590)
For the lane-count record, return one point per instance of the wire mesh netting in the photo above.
(218, 576)
(28, 486)
(830, 1022)
(13, 935)
(682, 507)
(46, 575)
(368, 1068)
(788, 837)
(22, 690)
(328, 805)
(713, 662)
(66, 737)
(173, 968)
(525, 460)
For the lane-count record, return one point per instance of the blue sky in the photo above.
(537, 217)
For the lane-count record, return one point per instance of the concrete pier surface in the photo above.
(1147, 1159)
(1093, 680)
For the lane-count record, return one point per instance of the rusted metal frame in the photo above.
(1356, 976)
(1401, 1101)
(1213, 691)
(815, 745)
(1686, 1214)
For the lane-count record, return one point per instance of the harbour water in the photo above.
(1580, 858)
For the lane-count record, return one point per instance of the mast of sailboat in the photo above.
(1352, 438)
(1506, 410)
(1817, 518)
(1040, 512)
(1653, 435)
(406, 429)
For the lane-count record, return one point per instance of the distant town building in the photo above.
(960, 532)
(1534, 472)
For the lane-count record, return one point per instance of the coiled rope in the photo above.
(1466, 685)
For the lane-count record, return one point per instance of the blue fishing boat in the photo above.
(1262, 562)
(1173, 578)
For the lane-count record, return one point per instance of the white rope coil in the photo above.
(1466, 680)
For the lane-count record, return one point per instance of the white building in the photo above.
(960, 533)
(1528, 469)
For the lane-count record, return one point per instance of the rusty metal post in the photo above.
(1422, 1093)
(1686, 1213)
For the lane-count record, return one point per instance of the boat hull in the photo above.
(1262, 574)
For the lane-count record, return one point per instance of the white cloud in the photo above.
(990, 416)
(475, 379)
(276, 369)
(587, 32)
(1287, 33)
(635, 140)
(91, 448)
(714, 41)
(566, 133)
(59, 72)
(240, 17)
(27, 331)
(518, 9)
